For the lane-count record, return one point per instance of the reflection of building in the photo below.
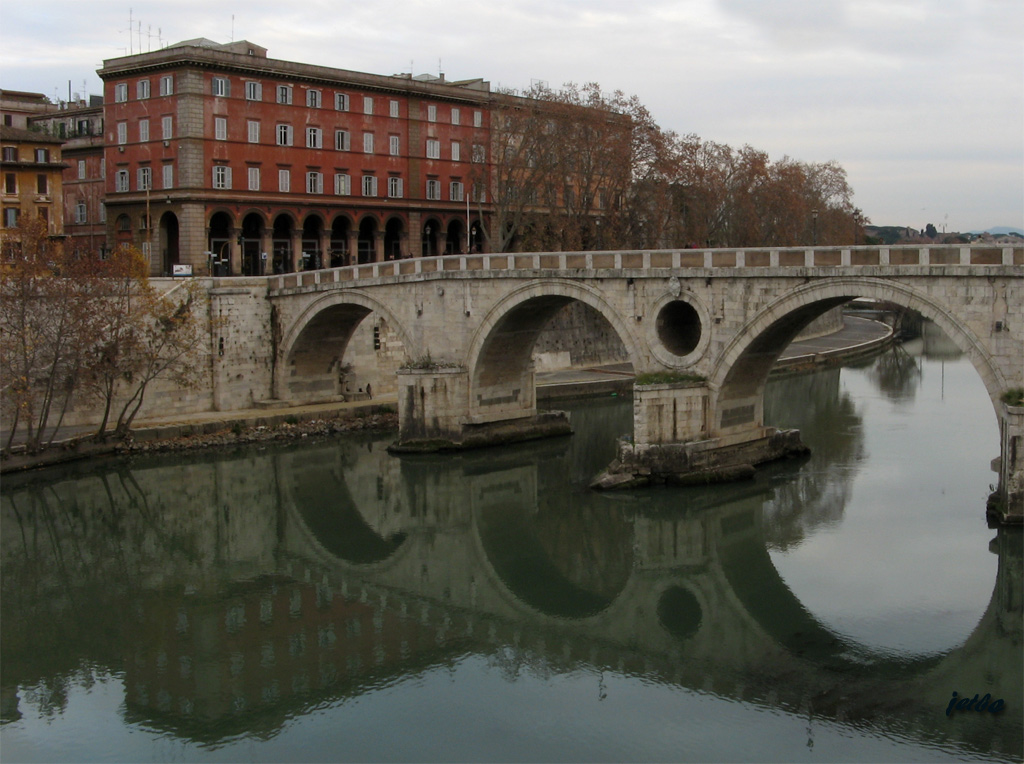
(222, 158)
(253, 655)
(31, 166)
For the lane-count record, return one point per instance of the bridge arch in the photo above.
(313, 347)
(741, 371)
(502, 346)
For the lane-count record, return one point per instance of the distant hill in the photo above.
(1001, 230)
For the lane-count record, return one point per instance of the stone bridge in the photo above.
(712, 322)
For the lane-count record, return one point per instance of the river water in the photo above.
(323, 601)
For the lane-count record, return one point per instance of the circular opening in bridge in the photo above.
(679, 612)
(678, 327)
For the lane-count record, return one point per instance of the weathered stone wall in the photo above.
(578, 336)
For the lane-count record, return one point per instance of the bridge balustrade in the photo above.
(794, 257)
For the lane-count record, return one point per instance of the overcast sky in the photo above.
(922, 101)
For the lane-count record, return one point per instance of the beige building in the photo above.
(32, 185)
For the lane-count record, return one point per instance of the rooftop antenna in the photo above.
(140, 35)
(159, 37)
(232, 27)
(131, 25)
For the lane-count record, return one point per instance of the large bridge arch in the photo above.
(741, 370)
(312, 348)
(500, 351)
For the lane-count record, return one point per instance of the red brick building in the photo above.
(221, 158)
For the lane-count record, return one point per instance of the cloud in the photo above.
(926, 88)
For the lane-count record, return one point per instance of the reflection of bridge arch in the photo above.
(311, 352)
(341, 537)
(742, 369)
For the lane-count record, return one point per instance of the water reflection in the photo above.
(234, 594)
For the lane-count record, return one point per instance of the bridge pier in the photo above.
(674, 443)
(1006, 505)
(435, 414)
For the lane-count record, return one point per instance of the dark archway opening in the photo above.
(253, 258)
(218, 244)
(455, 238)
(393, 239)
(282, 257)
(169, 240)
(339, 243)
(312, 256)
(367, 240)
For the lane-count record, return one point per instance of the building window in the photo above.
(340, 102)
(455, 191)
(80, 213)
(395, 188)
(167, 85)
(121, 180)
(479, 193)
(393, 109)
(81, 169)
(121, 92)
(284, 135)
(284, 180)
(367, 105)
(167, 171)
(145, 179)
(253, 91)
(10, 153)
(221, 87)
(10, 183)
(478, 118)
(313, 98)
(143, 130)
(342, 184)
(142, 89)
(103, 212)
(479, 153)
(456, 151)
(433, 148)
(369, 185)
(394, 145)
(434, 190)
(42, 184)
(11, 217)
(341, 140)
(254, 178)
(284, 93)
(314, 138)
(314, 182)
(167, 127)
(253, 128)
(42, 156)
(220, 128)
(431, 113)
(456, 116)
(221, 176)
(122, 132)
(367, 143)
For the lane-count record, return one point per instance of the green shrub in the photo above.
(1014, 396)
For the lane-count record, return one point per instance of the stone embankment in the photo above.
(211, 434)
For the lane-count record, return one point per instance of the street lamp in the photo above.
(814, 227)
